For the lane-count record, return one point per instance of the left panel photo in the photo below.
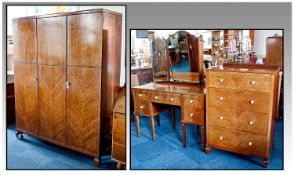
(65, 87)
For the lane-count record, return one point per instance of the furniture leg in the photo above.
(19, 135)
(173, 117)
(137, 125)
(202, 138)
(184, 134)
(97, 162)
(120, 166)
(265, 163)
(158, 119)
(207, 149)
(152, 127)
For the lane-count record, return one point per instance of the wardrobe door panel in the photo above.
(83, 108)
(85, 39)
(26, 97)
(52, 40)
(52, 102)
(24, 41)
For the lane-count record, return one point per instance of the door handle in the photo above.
(67, 85)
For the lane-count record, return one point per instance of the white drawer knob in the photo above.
(221, 80)
(250, 143)
(221, 138)
(191, 115)
(253, 82)
(221, 117)
(156, 97)
(251, 123)
(191, 101)
(140, 95)
(251, 101)
(141, 107)
(221, 98)
(171, 99)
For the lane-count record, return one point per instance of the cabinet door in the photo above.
(26, 97)
(83, 108)
(24, 41)
(52, 102)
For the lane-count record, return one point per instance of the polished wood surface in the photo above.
(25, 41)
(241, 116)
(185, 76)
(274, 51)
(26, 97)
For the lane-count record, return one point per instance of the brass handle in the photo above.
(252, 82)
(191, 101)
(67, 85)
(156, 97)
(221, 137)
(252, 102)
(221, 117)
(251, 123)
(191, 115)
(250, 143)
(221, 98)
(35, 79)
(221, 80)
(140, 95)
(171, 99)
(141, 107)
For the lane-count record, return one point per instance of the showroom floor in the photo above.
(167, 152)
(32, 153)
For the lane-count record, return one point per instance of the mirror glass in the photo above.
(159, 63)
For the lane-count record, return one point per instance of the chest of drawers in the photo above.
(149, 98)
(241, 109)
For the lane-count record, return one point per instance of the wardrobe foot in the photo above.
(19, 135)
(97, 162)
(265, 163)
(208, 149)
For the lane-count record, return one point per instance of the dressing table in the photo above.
(175, 87)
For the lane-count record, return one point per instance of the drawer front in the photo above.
(143, 107)
(119, 129)
(258, 82)
(237, 119)
(157, 97)
(173, 99)
(237, 141)
(254, 101)
(222, 97)
(194, 101)
(231, 80)
(140, 94)
(193, 115)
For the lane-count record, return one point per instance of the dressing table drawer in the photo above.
(237, 119)
(258, 82)
(222, 97)
(157, 97)
(193, 115)
(237, 141)
(193, 101)
(252, 101)
(140, 94)
(173, 99)
(143, 107)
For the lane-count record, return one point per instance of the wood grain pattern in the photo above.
(230, 80)
(185, 76)
(84, 39)
(260, 101)
(52, 40)
(274, 51)
(24, 41)
(258, 82)
(51, 102)
(83, 108)
(222, 98)
(26, 97)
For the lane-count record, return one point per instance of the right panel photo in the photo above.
(206, 99)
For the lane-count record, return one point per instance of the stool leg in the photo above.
(158, 119)
(184, 134)
(173, 117)
(137, 125)
(152, 127)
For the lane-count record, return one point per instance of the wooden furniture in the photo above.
(66, 66)
(119, 131)
(241, 109)
(151, 98)
(145, 74)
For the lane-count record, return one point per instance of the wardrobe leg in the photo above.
(137, 125)
(265, 163)
(184, 134)
(19, 135)
(97, 162)
(152, 127)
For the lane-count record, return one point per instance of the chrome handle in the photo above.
(250, 143)
(251, 101)
(156, 97)
(221, 98)
(191, 101)
(141, 107)
(252, 82)
(191, 115)
(35, 79)
(221, 137)
(251, 123)
(221, 117)
(221, 80)
(67, 85)
(140, 95)
(171, 99)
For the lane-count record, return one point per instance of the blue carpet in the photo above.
(167, 151)
(184, 66)
(32, 153)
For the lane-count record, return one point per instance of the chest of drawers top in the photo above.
(172, 88)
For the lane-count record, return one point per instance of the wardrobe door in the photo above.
(51, 70)
(84, 79)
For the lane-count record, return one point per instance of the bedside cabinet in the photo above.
(241, 109)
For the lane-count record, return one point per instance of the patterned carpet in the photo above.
(167, 151)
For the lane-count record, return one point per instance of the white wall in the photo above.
(260, 40)
(22, 11)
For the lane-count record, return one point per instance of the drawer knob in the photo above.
(140, 95)
(251, 101)
(191, 115)
(221, 137)
(221, 117)
(221, 98)
(253, 82)
(156, 97)
(191, 101)
(251, 123)
(141, 107)
(250, 143)
(221, 80)
(171, 99)
(35, 78)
